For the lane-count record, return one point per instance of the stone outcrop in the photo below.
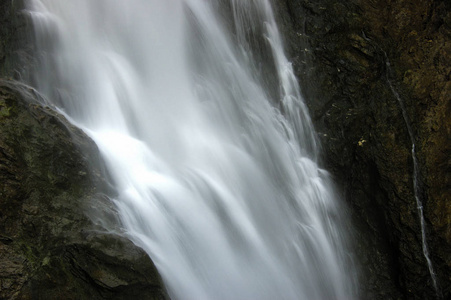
(51, 179)
(357, 62)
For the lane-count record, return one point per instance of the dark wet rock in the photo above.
(15, 40)
(51, 178)
(352, 58)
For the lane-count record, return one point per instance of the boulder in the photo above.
(52, 187)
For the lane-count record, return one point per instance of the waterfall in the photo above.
(199, 118)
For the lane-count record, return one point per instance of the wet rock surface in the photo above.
(355, 60)
(15, 40)
(51, 178)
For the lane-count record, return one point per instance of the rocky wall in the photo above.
(357, 61)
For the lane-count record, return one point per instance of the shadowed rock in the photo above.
(352, 58)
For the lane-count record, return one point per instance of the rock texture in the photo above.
(358, 63)
(15, 40)
(50, 179)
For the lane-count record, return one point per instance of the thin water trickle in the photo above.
(220, 188)
(416, 184)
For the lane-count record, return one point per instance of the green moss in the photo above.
(29, 253)
(46, 261)
(5, 111)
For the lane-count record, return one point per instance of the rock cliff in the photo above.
(359, 63)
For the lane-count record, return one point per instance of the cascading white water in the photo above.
(218, 186)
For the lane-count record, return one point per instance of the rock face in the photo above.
(358, 63)
(15, 40)
(50, 179)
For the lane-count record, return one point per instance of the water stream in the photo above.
(199, 118)
(416, 183)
